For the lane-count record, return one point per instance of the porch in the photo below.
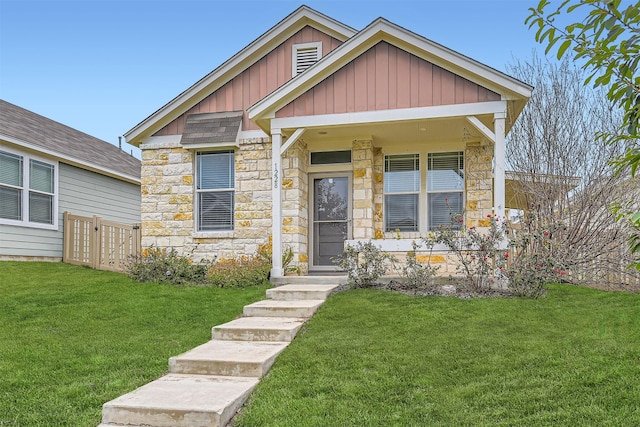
(332, 178)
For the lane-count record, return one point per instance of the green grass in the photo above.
(376, 358)
(72, 338)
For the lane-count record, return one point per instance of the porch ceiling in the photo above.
(450, 129)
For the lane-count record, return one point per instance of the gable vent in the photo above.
(305, 55)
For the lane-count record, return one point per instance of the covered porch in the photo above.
(328, 176)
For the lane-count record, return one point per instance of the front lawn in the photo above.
(376, 358)
(72, 338)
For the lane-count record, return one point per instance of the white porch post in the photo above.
(276, 200)
(499, 168)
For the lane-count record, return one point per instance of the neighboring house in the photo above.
(315, 134)
(47, 168)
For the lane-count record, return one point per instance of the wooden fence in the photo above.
(100, 244)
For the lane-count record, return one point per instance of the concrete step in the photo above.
(282, 308)
(300, 292)
(258, 329)
(230, 358)
(337, 279)
(178, 400)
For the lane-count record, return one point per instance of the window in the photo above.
(215, 182)
(27, 194)
(402, 192)
(445, 187)
(330, 157)
(304, 56)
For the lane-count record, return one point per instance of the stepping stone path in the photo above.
(207, 385)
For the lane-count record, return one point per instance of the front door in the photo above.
(330, 217)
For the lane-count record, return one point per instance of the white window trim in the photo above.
(303, 46)
(26, 158)
(196, 207)
(423, 219)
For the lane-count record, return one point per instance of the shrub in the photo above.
(239, 272)
(162, 266)
(481, 255)
(416, 275)
(364, 263)
(533, 263)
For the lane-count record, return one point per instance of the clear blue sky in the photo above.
(102, 66)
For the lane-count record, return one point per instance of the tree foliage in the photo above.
(605, 38)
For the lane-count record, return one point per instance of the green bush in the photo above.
(162, 266)
(364, 263)
(239, 272)
(417, 275)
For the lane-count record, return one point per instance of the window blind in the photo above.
(10, 169)
(10, 203)
(402, 192)
(40, 176)
(445, 188)
(215, 190)
(40, 208)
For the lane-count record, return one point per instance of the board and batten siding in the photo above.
(260, 79)
(80, 192)
(382, 78)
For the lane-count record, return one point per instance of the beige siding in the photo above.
(254, 83)
(386, 77)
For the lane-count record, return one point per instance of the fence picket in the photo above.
(98, 243)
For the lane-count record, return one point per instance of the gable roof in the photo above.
(32, 131)
(298, 19)
(383, 30)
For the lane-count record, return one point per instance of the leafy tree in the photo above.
(605, 37)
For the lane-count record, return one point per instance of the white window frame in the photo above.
(398, 193)
(222, 231)
(428, 192)
(304, 46)
(423, 198)
(26, 190)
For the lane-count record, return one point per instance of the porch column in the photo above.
(276, 203)
(499, 160)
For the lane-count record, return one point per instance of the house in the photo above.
(47, 168)
(316, 134)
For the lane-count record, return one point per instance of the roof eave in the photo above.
(380, 30)
(297, 20)
(72, 160)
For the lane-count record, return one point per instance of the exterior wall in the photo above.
(168, 201)
(295, 204)
(256, 82)
(363, 174)
(82, 193)
(386, 77)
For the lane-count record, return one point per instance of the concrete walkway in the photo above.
(207, 385)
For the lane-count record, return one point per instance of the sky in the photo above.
(103, 66)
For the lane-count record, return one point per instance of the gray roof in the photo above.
(67, 143)
(209, 128)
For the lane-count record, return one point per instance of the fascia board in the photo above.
(300, 18)
(383, 30)
(82, 164)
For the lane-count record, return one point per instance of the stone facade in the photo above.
(168, 200)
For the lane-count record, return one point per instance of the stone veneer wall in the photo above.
(295, 204)
(478, 198)
(362, 212)
(168, 201)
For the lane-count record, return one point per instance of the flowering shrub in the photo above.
(162, 266)
(534, 262)
(482, 256)
(524, 263)
(364, 263)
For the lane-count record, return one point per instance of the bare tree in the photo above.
(565, 176)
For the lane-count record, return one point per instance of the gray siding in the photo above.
(82, 193)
